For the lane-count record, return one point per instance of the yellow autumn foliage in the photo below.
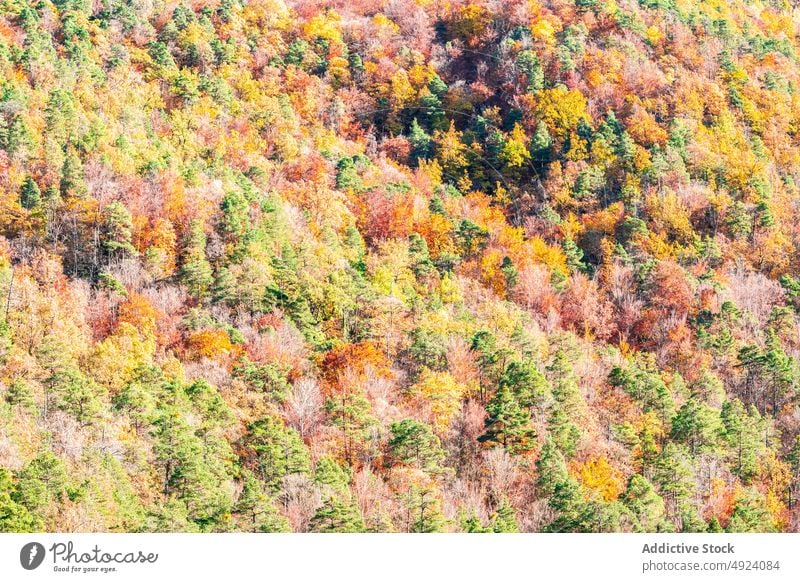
(442, 394)
(601, 479)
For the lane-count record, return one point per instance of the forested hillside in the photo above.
(399, 265)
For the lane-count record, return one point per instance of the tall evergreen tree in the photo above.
(337, 515)
(551, 468)
(504, 519)
(645, 504)
(414, 442)
(529, 385)
(697, 425)
(14, 517)
(29, 194)
(507, 423)
(196, 272)
(256, 510)
(424, 510)
(674, 473)
(274, 451)
(116, 231)
(421, 142)
(743, 431)
(750, 514)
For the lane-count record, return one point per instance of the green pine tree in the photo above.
(645, 504)
(14, 517)
(505, 520)
(507, 423)
(423, 508)
(255, 509)
(742, 430)
(697, 425)
(29, 194)
(551, 468)
(116, 234)
(574, 255)
(196, 272)
(750, 514)
(41, 483)
(414, 442)
(421, 142)
(528, 384)
(337, 515)
(331, 475)
(673, 472)
(274, 451)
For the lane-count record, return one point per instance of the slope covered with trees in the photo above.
(399, 265)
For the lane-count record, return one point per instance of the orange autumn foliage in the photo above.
(210, 343)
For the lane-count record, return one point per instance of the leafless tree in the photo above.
(301, 499)
(303, 409)
(502, 471)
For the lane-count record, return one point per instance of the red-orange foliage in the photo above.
(210, 343)
(139, 312)
(358, 359)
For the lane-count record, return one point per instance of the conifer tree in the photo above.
(332, 476)
(19, 394)
(568, 405)
(794, 470)
(196, 272)
(42, 482)
(507, 423)
(528, 384)
(551, 468)
(697, 425)
(750, 514)
(255, 509)
(421, 142)
(471, 523)
(414, 442)
(565, 389)
(645, 504)
(504, 520)
(15, 137)
(14, 517)
(742, 431)
(424, 512)
(674, 473)
(349, 411)
(29, 194)
(337, 515)
(171, 516)
(116, 231)
(574, 255)
(275, 451)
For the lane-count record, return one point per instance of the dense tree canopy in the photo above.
(286, 265)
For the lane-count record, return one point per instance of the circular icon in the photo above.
(31, 555)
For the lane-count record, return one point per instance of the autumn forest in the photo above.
(399, 266)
